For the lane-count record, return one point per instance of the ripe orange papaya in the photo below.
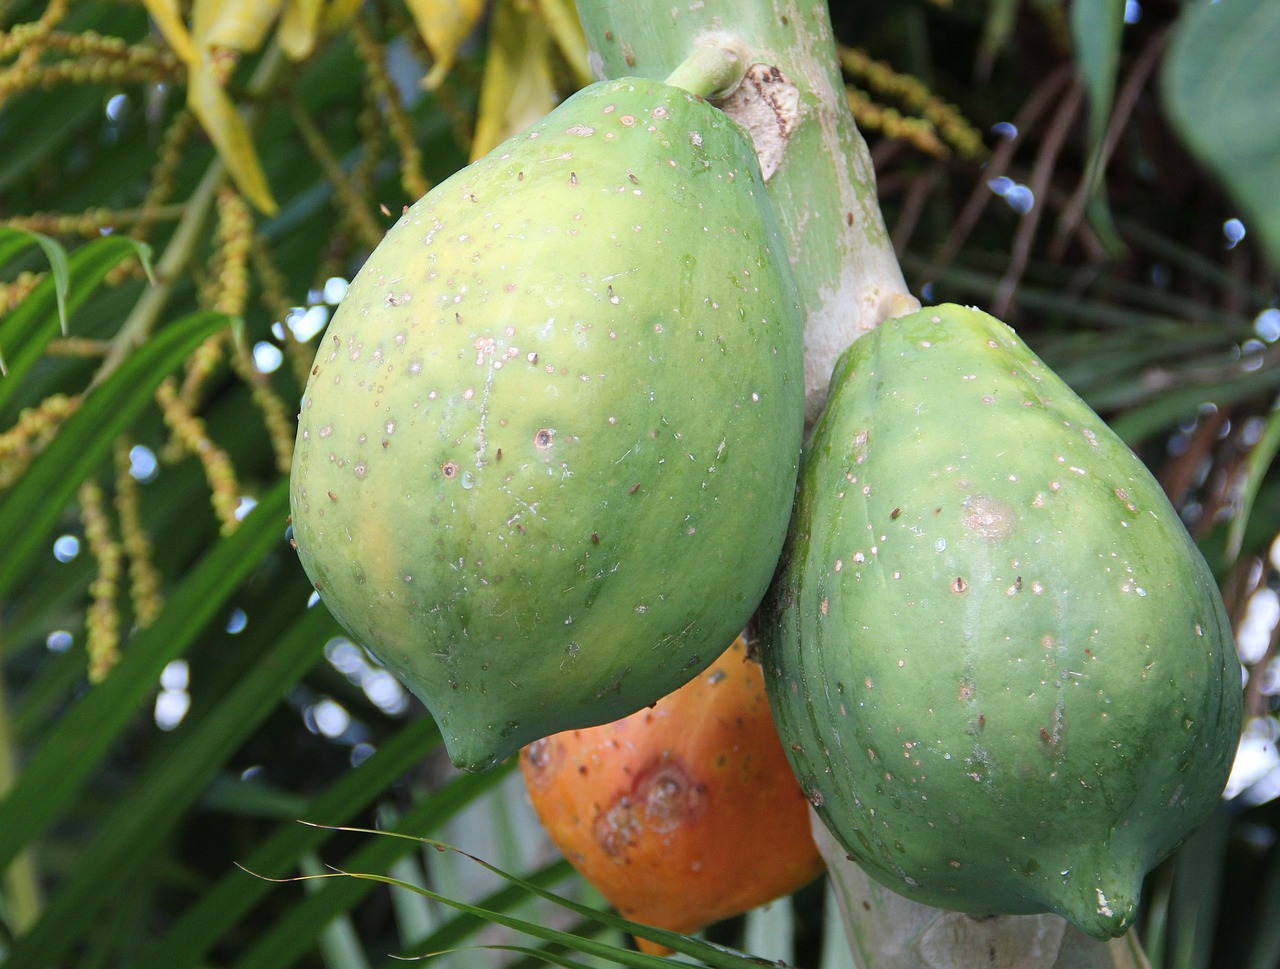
(682, 814)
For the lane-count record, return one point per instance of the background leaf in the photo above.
(33, 506)
(1096, 29)
(43, 315)
(1222, 88)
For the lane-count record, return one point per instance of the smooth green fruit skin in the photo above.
(547, 453)
(1001, 667)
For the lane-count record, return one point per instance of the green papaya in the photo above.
(547, 454)
(1002, 669)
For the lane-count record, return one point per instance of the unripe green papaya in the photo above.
(547, 453)
(1001, 667)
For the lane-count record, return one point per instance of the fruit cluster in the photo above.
(547, 461)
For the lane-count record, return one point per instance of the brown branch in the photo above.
(1041, 172)
(1126, 100)
(981, 196)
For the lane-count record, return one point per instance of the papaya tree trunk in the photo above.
(821, 182)
(814, 160)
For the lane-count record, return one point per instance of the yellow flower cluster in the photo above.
(190, 430)
(13, 293)
(45, 57)
(31, 434)
(102, 622)
(90, 222)
(385, 97)
(932, 125)
(144, 578)
(235, 235)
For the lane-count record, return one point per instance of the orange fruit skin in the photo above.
(684, 813)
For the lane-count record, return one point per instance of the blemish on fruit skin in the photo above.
(990, 518)
(539, 754)
(663, 797)
(616, 828)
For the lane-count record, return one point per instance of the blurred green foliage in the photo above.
(174, 703)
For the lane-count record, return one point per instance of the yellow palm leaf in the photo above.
(168, 18)
(444, 25)
(237, 24)
(226, 129)
(565, 26)
(518, 88)
(298, 27)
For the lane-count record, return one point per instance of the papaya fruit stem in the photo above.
(713, 69)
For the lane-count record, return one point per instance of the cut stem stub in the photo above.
(713, 69)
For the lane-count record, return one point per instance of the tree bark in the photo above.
(888, 931)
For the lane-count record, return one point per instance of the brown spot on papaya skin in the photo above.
(539, 759)
(671, 796)
(617, 829)
(989, 518)
(663, 797)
